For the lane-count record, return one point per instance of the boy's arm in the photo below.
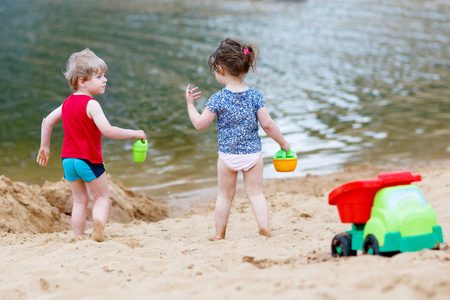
(200, 121)
(46, 134)
(95, 112)
(272, 129)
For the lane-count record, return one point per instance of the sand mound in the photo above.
(23, 209)
(34, 209)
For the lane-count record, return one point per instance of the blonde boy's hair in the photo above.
(84, 64)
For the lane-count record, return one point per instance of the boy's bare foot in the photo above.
(79, 237)
(264, 232)
(220, 235)
(98, 233)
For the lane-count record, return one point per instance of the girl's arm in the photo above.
(272, 130)
(95, 112)
(46, 134)
(200, 121)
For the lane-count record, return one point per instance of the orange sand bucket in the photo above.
(285, 161)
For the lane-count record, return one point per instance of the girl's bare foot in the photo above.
(218, 238)
(98, 233)
(264, 232)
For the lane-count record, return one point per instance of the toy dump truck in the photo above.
(389, 216)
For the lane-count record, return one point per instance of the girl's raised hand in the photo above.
(190, 95)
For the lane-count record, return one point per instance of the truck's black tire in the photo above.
(370, 246)
(342, 245)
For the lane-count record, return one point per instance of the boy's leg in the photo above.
(100, 193)
(226, 191)
(80, 202)
(253, 181)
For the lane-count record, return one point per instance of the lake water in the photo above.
(348, 82)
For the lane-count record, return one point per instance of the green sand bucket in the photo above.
(285, 161)
(140, 148)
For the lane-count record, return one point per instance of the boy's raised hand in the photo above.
(190, 95)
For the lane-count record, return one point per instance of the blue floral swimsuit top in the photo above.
(237, 122)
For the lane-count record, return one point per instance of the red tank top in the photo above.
(82, 138)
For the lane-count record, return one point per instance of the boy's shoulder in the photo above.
(80, 96)
(77, 99)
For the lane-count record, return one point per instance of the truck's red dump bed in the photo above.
(355, 199)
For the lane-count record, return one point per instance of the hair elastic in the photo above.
(246, 51)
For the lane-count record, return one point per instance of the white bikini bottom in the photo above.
(238, 162)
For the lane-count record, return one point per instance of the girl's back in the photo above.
(237, 122)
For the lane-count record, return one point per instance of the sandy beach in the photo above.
(148, 255)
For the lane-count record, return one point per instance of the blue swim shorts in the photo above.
(75, 168)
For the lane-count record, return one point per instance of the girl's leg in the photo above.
(80, 202)
(226, 191)
(253, 181)
(100, 193)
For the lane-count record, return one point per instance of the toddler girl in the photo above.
(238, 109)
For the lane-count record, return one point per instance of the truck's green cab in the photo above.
(402, 220)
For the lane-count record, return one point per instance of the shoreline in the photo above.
(175, 257)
